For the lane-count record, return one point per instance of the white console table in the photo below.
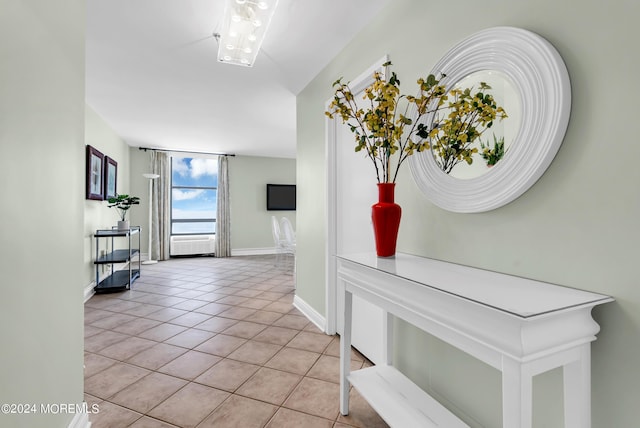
(518, 326)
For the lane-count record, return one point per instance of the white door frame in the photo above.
(331, 126)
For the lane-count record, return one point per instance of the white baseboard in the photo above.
(80, 420)
(313, 315)
(252, 251)
(88, 291)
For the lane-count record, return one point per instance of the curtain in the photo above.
(223, 220)
(161, 200)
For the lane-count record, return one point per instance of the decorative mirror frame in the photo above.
(542, 81)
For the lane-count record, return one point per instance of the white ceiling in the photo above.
(152, 73)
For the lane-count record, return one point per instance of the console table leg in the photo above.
(387, 338)
(345, 354)
(517, 395)
(577, 390)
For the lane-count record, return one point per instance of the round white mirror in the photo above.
(529, 79)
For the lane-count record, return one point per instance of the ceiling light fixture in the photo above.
(244, 26)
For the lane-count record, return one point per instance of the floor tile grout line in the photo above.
(186, 349)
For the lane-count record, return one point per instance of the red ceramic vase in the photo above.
(386, 220)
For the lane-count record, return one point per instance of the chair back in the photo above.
(289, 233)
(275, 230)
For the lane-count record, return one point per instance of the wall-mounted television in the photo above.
(281, 197)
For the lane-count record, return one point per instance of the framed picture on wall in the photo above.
(110, 177)
(95, 174)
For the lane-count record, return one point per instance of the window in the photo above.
(194, 183)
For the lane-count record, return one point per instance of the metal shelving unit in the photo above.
(122, 279)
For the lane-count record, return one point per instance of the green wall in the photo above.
(42, 194)
(577, 226)
(250, 220)
(97, 214)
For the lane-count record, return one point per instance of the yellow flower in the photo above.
(459, 119)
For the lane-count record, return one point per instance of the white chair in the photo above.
(289, 239)
(279, 242)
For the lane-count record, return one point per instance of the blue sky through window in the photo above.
(193, 195)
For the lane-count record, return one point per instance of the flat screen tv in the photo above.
(281, 197)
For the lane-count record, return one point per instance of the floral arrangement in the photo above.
(385, 128)
(467, 116)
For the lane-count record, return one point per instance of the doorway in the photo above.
(351, 190)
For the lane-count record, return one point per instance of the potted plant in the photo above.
(123, 203)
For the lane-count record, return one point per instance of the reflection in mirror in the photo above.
(492, 141)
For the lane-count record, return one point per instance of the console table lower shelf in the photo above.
(520, 327)
(403, 404)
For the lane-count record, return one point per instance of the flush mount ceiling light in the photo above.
(244, 26)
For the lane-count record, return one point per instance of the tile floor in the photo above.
(206, 342)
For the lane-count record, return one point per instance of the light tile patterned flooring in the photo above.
(206, 342)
